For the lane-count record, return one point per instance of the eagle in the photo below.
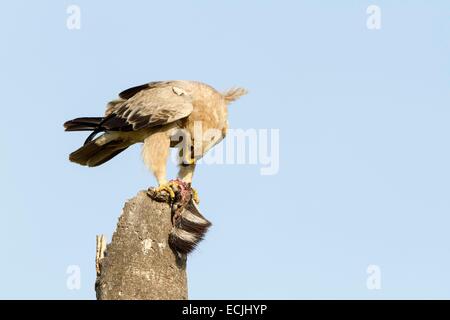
(161, 115)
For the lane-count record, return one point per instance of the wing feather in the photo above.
(150, 105)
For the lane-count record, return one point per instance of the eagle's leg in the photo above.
(155, 153)
(185, 174)
(186, 162)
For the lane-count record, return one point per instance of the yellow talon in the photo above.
(168, 188)
(195, 196)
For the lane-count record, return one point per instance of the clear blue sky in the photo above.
(364, 143)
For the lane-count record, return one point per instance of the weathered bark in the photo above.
(138, 263)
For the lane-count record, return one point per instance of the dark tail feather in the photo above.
(92, 136)
(106, 155)
(188, 230)
(93, 154)
(83, 124)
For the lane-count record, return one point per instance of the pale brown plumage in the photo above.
(153, 114)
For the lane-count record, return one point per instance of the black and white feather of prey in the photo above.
(189, 226)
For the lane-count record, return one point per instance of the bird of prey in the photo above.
(154, 114)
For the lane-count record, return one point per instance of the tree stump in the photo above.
(138, 263)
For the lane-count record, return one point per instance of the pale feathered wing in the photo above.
(149, 105)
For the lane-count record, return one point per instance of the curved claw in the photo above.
(168, 188)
